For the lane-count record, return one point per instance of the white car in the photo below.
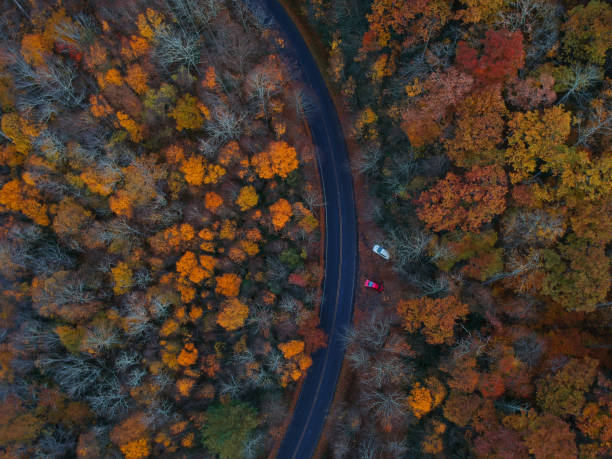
(381, 251)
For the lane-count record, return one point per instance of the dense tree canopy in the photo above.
(481, 143)
(159, 230)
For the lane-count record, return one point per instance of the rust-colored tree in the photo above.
(465, 202)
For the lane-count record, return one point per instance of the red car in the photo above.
(371, 284)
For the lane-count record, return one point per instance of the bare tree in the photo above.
(36, 337)
(303, 103)
(75, 375)
(369, 448)
(370, 333)
(56, 443)
(45, 90)
(385, 405)
(234, 49)
(136, 376)
(193, 14)
(288, 304)
(599, 122)
(159, 412)
(384, 370)
(273, 360)
(513, 407)
(518, 265)
(529, 349)
(178, 48)
(138, 321)
(260, 319)
(102, 337)
(341, 446)
(277, 271)
(396, 448)
(408, 247)
(368, 158)
(160, 306)
(162, 379)
(221, 128)
(261, 88)
(253, 445)
(231, 386)
(579, 80)
(83, 29)
(538, 20)
(436, 286)
(358, 358)
(126, 359)
(109, 400)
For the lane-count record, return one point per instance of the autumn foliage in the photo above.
(435, 318)
(502, 56)
(465, 202)
(233, 314)
(483, 166)
(278, 160)
(149, 176)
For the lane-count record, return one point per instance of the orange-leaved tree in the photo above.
(132, 437)
(435, 318)
(228, 284)
(194, 170)
(279, 159)
(188, 355)
(212, 201)
(197, 171)
(136, 79)
(420, 400)
(20, 131)
(281, 213)
(71, 218)
(291, 348)
(465, 202)
(189, 267)
(233, 314)
(479, 128)
(17, 196)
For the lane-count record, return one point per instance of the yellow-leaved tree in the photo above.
(186, 113)
(247, 198)
(122, 278)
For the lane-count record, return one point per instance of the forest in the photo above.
(160, 228)
(481, 130)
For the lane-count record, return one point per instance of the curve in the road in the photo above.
(319, 386)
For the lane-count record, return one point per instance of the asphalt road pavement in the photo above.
(341, 259)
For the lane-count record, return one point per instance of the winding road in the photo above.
(319, 386)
